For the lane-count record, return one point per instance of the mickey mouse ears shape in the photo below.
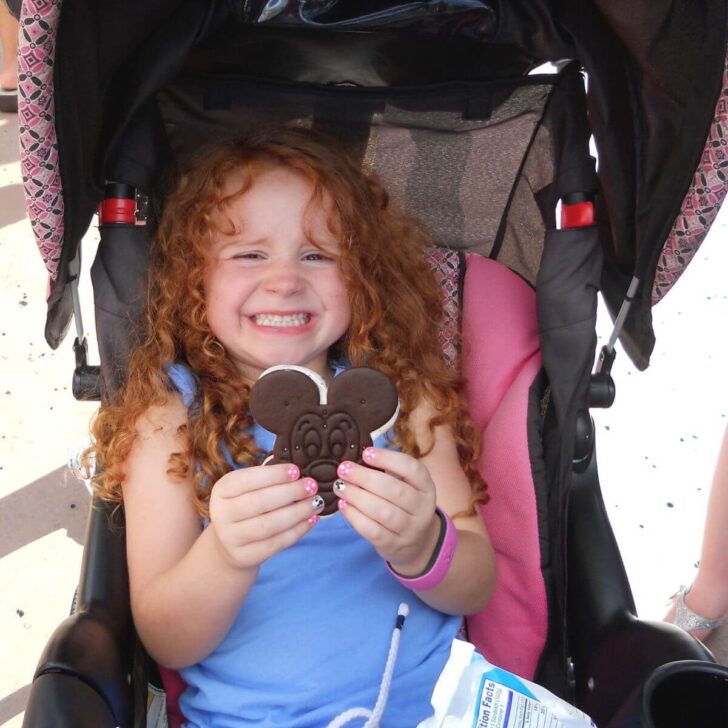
(368, 395)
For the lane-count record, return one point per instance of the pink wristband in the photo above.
(439, 564)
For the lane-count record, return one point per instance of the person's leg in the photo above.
(708, 596)
(9, 40)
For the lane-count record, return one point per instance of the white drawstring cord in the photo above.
(375, 715)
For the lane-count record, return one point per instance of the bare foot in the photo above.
(9, 79)
(9, 44)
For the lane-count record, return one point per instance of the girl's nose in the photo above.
(284, 280)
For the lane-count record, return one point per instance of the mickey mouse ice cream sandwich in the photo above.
(317, 427)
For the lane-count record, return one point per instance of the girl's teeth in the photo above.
(268, 319)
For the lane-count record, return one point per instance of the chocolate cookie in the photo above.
(317, 428)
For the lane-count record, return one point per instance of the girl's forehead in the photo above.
(248, 191)
(253, 172)
(276, 180)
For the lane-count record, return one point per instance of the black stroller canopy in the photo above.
(655, 70)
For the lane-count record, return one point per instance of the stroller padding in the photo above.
(501, 361)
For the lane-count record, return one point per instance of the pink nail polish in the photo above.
(313, 520)
(344, 469)
(293, 472)
(343, 505)
(368, 454)
(310, 485)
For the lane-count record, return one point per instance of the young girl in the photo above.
(278, 250)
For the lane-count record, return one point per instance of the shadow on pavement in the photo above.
(717, 642)
(12, 204)
(12, 705)
(10, 145)
(56, 501)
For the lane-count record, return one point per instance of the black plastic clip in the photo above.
(601, 393)
(86, 385)
(602, 389)
(606, 359)
(583, 441)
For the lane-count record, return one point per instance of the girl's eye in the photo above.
(247, 256)
(317, 256)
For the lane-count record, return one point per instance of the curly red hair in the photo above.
(393, 296)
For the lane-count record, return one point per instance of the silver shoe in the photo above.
(686, 618)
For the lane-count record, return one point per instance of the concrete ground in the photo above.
(43, 507)
(657, 445)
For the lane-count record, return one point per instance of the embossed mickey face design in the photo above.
(317, 429)
(320, 442)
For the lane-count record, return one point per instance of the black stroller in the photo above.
(475, 115)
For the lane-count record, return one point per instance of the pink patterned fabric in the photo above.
(446, 265)
(701, 204)
(501, 360)
(38, 144)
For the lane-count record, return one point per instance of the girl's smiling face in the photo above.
(273, 288)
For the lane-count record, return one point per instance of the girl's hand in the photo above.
(393, 507)
(258, 511)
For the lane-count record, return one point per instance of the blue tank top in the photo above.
(311, 639)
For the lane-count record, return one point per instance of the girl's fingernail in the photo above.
(339, 486)
(293, 472)
(318, 503)
(344, 469)
(343, 505)
(368, 454)
(310, 485)
(313, 520)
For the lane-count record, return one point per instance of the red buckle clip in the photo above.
(117, 210)
(578, 214)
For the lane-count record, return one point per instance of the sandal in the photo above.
(8, 101)
(686, 618)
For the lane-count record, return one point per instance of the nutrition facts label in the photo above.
(503, 707)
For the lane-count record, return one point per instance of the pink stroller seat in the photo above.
(501, 360)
